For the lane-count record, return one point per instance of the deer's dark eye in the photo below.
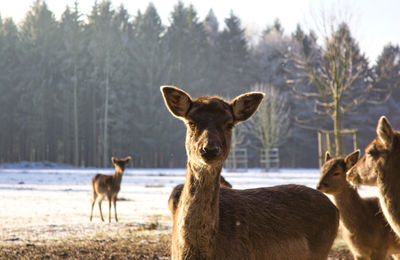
(373, 152)
(336, 174)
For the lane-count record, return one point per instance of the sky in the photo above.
(373, 23)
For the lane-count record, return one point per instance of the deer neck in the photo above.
(353, 211)
(388, 182)
(197, 213)
(117, 177)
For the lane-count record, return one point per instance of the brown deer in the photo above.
(365, 229)
(380, 166)
(213, 222)
(108, 186)
(176, 193)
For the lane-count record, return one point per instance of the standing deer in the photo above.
(176, 193)
(213, 222)
(365, 229)
(109, 186)
(380, 166)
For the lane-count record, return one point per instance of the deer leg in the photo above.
(115, 207)
(101, 213)
(93, 202)
(109, 208)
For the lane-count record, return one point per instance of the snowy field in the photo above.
(42, 203)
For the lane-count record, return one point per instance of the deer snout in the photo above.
(209, 152)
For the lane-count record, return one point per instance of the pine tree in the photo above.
(40, 103)
(10, 89)
(105, 49)
(73, 67)
(234, 58)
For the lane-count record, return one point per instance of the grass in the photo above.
(146, 243)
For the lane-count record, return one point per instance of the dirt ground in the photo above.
(141, 245)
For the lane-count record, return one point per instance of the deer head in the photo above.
(120, 164)
(333, 172)
(375, 157)
(209, 122)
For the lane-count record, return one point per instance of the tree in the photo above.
(187, 43)
(270, 125)
(105, 48)
(11, 89)
(39, 101)
(338, 76)
(234, 57)
(73, 52)
(151, 63)
(268, 57)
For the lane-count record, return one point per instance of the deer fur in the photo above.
(176, 193)
(213, 222)
(108, 186)
(364, 227)
(380, 166)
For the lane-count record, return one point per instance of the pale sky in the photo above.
(373, 23)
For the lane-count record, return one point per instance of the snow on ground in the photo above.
(42, 202)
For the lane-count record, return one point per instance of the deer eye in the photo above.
(336, 174)
(373, 152)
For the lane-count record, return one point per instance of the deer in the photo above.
(213, 222)
(108, 186)
(364, 227)
(176, 193)
(380, 166)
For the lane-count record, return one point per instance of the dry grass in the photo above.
(141, 245)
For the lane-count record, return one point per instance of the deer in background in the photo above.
(380, 166)
(108, 186)
(213, 222)
(365, 229)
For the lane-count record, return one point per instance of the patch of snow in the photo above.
(50, 203)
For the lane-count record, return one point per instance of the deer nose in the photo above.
(209, 152)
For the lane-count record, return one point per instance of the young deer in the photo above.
(109, 186)
(380, 166)
(213, 222)
(365, 229)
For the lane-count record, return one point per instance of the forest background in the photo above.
(86, 87)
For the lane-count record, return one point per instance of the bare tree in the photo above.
(270, 124)
(337, 76)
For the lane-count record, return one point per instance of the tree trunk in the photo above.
(76, 129)
(337, 127)
(106, 101)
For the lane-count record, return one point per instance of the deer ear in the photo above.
(384, 132)
(127, 159)
(351, 159)
(327, 156)
(114, 160)
(245, 105)
(177, 101)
